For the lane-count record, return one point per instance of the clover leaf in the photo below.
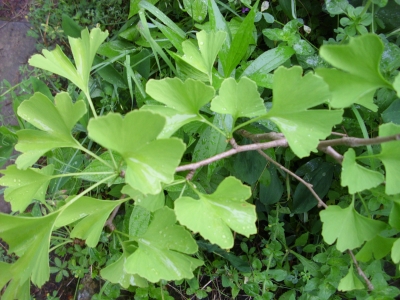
(150, 161)
(302, 127)
(185, 97)
(83, 50)
(348, 227)
(390, 157)
(93, 212)
(358, 76)
(29, 238)
(213, 216)
(55, 122)
(239, 99)
(162, 250)
(25, 185)
(357, 177)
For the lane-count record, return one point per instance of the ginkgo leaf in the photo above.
(29, 238)
(357, 177)
(359, 75)
(215, 215)
(348, 227)
(149, 161)
(350, 282)
(162, 250)
(302, 127)
(83, 50)
(149, 202)
(239, 99)
(390, 157)
(174, 119)
(116, 273)
(25, 185)
(55, 122)
(378, 248)
(203, 55)
(185, 97)
(93, 212)
(396, 251)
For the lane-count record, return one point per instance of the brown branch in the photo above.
(308, 185)
(357, 142)
(332, 152)
(361, 272)
(109, 223)
(230, 152)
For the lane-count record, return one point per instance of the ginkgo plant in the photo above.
(145, 154)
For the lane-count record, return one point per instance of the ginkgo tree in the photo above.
(143, 151)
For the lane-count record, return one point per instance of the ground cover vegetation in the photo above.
(209, 149)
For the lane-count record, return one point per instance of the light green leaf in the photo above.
(197, 9)
(214, 215)
(174, 119)
(302, 127)
(348, 227)
(149, 161)
(378, 248)
(29, 238)
(116, 273)
(239, 99)
(162, 250)
(350, 282)
(218, 23)
(25, 185)
(185, 97)
(268, 61)
(83, 50)
(394, 217)
(359, 75)
(149, 202)
(357, 177)
(96, 166)
(55, 122)
(94, 213)
(390, 157)
(139, 221)
(203, 55)
(396, 251)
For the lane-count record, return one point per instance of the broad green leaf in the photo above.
(357, 177)
(29, 238)
(394, 217)
(162, 250)
(197, 9)
(83, 50)
(215, 215)
(203, 55)
(185, 97)
(149, 161)
(109, 73)
(350, 282)
(174, 119)
(240, 43)
(25, 185)
(139, 221)
(309, 265)
(92, 213)
(103, 170)
(378, 248)
(268, 61)
(8, 139)
(239, 99)
(396, 251)
(70, 27)
(390, 157)
(348, 227)
(149, 202)
(55, 122)
(302, 126)
(392, 113)
(359, 75)
(116, 273)
(134, 6)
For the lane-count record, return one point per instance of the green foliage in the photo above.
(161, 179)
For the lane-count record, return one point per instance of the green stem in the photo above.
(365, 205)
(212, 125)
(89, 99)
(11, 89)
(94, 155)
(365, 134)
(59, 245)
(247, 123)
(81, 174)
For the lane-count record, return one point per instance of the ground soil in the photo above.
(13, 10)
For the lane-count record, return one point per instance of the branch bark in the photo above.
(360, 271)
